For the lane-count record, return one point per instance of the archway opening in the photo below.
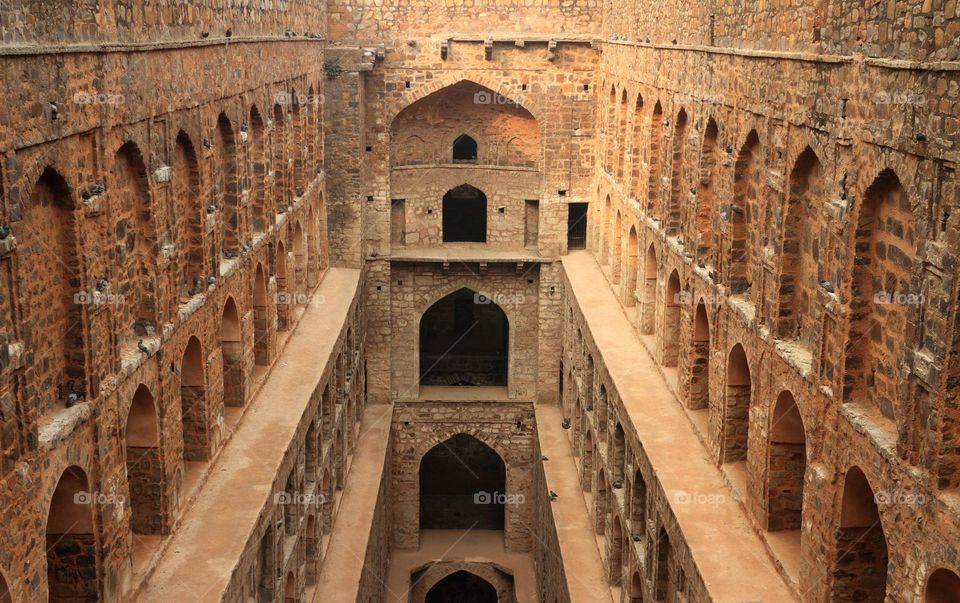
(71, 543)
(465, 215)
(798, 267)
(736, 411)
(261, 319)
(655, 160)
(189, 216)
(942, 587)
(464, 148)
(706, 194)
(616, 552)
(670, 333)
(636, 588)
(786, 465)
(231, 348)
(860, 560)
(464, 340)
(193, 402)
(745, 177)
(462, 587)
(144, 468)
(674, 216)
(648, 312)
(462, 486)
(290, 589)
(663, 582)
(698, 397)
(283, 297)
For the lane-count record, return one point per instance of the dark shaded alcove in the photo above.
(462, 486)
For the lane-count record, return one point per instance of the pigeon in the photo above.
(566, 424)
(617, 484)
(207, 144)
(102, 284)
(204, 34)
(921, 137)
(827, 285)
(553, 496)
(211, 208)
(211, 279)
(635, 537)
(4, 232)
(54, 111)
(72, 399)
(520, 425)
(701, 264)
(544, 458)
(98, 188)
(712, 275)
(143, 347)
(229, 33)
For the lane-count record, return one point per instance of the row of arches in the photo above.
(857, 555)
(850, 352)
(66, 278)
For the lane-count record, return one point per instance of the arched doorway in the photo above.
(464, 149)
(465, 215)
(786, 464)
(193, 403)
(670, 334)
(698, 397)
(942, 587)
(630, 271)
(72, 550)
(261, 319)
(648, 317)
(462, 587)
(464, 340)
(860, 553)
(231, 348)
(462, 486)
(144, 469)
(284, 301)
(736, 410)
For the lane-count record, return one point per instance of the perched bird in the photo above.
(229, 33)
(246, 248)
(98, 188)
(566, 424)
(590, 408)
(921, 137)
(204, 34)
(712, 275)
(143, 347)
(701, 264)
(635, 537)
(544, 458)
(520, 425)
(102, 284)
(54, 111)
(283, 210)
(827, 285)
(206, 143)
(72, 399)
(617, 484)
(86, 194)
(4, 232)
(553, 496)
(211, 208)
(688, 254)
(211, 279)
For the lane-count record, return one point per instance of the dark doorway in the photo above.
(464, 340)
(577, 226)
(462, 587)
(465, 215)
(462, 486)
(464, 148)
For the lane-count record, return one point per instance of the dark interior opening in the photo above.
(465, 215)
(462, 486)
(464, 148)
(577, 226)
(464, 340)
(462, 587)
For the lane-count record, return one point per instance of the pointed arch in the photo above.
(670, 328)
(655, 161)
(70, 529)
(262, 327)
(859, 567)
(636, 148)
(630, 270)
(228, 188)
(706, 197)
(674, 214)
(144, 464)
(649, 309)
(741, 213)
(193, 402)
(736, 407)
(698, 397)
(190, 213)
(258, 159)
(231, 351)
(452, 475)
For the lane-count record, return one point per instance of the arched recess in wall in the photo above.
(258, 168)
(616, 239)
(283, 297)
(621, 144)
(636, 147)
(630, 269)
(670, 328)
(137, 245)
(943, 586)
(464, 340)
(5, 596)
(610, 129)
(69, 530)
(883, 300)
(228, 188)
(698, 397)
(144, 464)
(798, 270)
(464, 215)
(786, 465)
(604, 225)
(859, 567)
(649, 310)
(278, 161)
(655, 161)
(190, 215)
(677, 196)
(462, 486)
(300, 261)
(231, 350)
(736, 407)
(53, 275)
(462, 587)
(193, 403)
(741, 213)
(439, 121)
(706, 198)
(297, 143)
(261, 318)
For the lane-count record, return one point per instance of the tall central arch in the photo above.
(464, 340)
